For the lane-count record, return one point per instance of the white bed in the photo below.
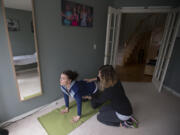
(25, 59)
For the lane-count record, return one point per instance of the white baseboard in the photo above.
(171, 90)
(29, 113)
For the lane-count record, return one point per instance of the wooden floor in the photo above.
(133, 73)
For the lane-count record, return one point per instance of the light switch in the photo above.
(94, 46)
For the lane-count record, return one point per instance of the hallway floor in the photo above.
(157, 113)
(133, 73)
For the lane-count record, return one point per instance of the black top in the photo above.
(118, 98)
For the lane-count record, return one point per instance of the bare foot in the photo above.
(66, 110)
(75, 119)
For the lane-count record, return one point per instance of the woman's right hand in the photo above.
(87, 80)
(66, 110)
(91, 80)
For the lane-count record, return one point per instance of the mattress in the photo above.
(25, 59)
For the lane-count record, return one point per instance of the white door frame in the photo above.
(107, 36)
(171, 31)
(119, 12)
(155, 79)
(122, 10)
(118, 28)
(111, 44)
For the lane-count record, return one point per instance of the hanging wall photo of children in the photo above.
(75, 14)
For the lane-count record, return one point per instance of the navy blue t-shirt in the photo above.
(77, 90)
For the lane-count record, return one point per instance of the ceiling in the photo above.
(19, 4)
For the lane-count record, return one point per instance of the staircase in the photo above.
(136, 41)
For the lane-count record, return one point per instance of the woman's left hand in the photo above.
(75, 119)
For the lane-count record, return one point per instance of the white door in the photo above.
(112, 35)
(167, 44)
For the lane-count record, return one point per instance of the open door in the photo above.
(167, 44)
(112, 35)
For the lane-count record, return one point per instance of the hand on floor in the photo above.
(75, 119)
(66, 110)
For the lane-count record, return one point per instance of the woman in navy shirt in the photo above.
(75, 89)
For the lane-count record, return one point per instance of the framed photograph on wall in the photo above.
(75, 14)
(13, 24)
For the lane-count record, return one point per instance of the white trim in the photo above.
(171, 29)
(29, 113)
(113, 38)
(166, 43)
(111, 32)
(107, 36)
(119, 16)
(153, 9)
(172, 42)
(171, 90)
(157, 67)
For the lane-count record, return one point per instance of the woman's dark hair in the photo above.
(72, 75)
(108, 76)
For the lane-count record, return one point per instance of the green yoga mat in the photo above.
(56, 123)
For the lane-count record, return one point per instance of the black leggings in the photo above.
(107, 116)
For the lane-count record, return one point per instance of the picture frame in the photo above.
(75, 14)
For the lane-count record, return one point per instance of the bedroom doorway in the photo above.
(145, 52)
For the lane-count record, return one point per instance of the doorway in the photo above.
(138, 47)
(153, 57)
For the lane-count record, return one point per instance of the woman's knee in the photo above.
(106, 108)
(99, 118)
